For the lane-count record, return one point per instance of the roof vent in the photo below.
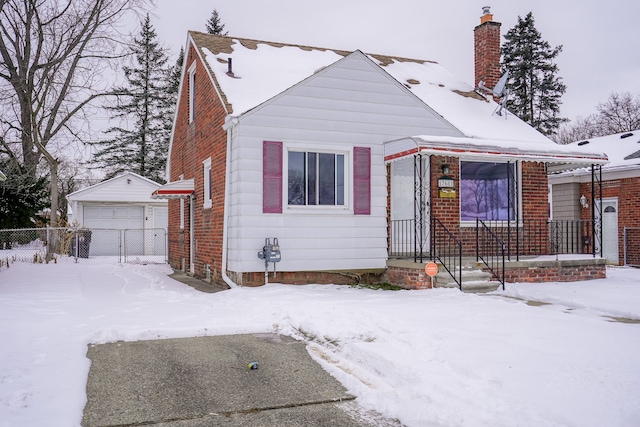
(626, 135)
(229, 68)
(583, 142)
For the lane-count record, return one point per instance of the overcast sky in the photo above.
(601, 45)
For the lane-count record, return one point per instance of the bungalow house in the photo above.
(344, 159)
(617, 213)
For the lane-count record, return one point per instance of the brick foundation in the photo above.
(555, 271)
(409, 277)
(310, 277)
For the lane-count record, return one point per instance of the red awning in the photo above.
(174, 190)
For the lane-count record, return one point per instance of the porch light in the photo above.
(583, 202)
(445, 169)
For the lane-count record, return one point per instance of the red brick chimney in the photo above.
(486, 38)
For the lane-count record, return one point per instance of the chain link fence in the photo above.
(96, 245)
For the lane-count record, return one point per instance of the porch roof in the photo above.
(174, 190)
(560, 157)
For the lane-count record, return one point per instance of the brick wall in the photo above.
(409, 278)
(447, 210)
(192, 144)
(556, 273)
(627, 190)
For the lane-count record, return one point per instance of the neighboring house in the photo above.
(572, 195)
(327, 150)
(121, 208)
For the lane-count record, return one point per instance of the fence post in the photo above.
(77, 246)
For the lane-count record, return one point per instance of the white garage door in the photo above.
(112, 219)
(113, 216)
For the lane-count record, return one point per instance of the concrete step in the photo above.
(473, 280)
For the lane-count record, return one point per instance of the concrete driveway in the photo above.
(206, 381)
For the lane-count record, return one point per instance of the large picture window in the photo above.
(316, 178)
(485, 191)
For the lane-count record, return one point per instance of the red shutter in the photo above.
(362, 181)
(272, 177)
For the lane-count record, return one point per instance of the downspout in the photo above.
(229, 125)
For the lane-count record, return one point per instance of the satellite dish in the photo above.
(499, 91)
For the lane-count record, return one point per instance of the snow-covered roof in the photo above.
(262, 70)
(622, 149)
(561, 155)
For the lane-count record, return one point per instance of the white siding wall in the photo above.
(351, 103)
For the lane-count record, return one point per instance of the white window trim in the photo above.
(181, 214)
(347, 208)
(472, 223)
(192, 99)
(206, 173)
(181, 177)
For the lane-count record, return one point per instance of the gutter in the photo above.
(229, 125)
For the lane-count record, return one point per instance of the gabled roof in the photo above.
(118, 189)
(262, 70)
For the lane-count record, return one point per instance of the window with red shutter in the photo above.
(272, 177)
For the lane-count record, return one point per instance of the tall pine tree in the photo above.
(535, 87)
(214, 26)
(146, 103)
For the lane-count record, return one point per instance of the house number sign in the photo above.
(447, 187)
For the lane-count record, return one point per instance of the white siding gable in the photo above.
(352, 103)
(129, 187)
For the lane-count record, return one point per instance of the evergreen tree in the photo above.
(22, 196)
(176, 73)
(534, 84)
(214, 26)
(145, 103)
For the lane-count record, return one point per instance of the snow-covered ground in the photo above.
(428, 358)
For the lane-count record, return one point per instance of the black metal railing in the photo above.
(530, 237)
(401, 243)
(446, 249)
(544, 237)
(490, 249)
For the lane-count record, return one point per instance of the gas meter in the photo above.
(270, 253)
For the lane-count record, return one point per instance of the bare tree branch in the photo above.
(53, 54)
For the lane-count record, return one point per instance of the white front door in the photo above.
(406, 206)
(609, 234)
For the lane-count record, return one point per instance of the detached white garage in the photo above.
(122, 217)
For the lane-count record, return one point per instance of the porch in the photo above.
(535, 251)
(455, 199)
